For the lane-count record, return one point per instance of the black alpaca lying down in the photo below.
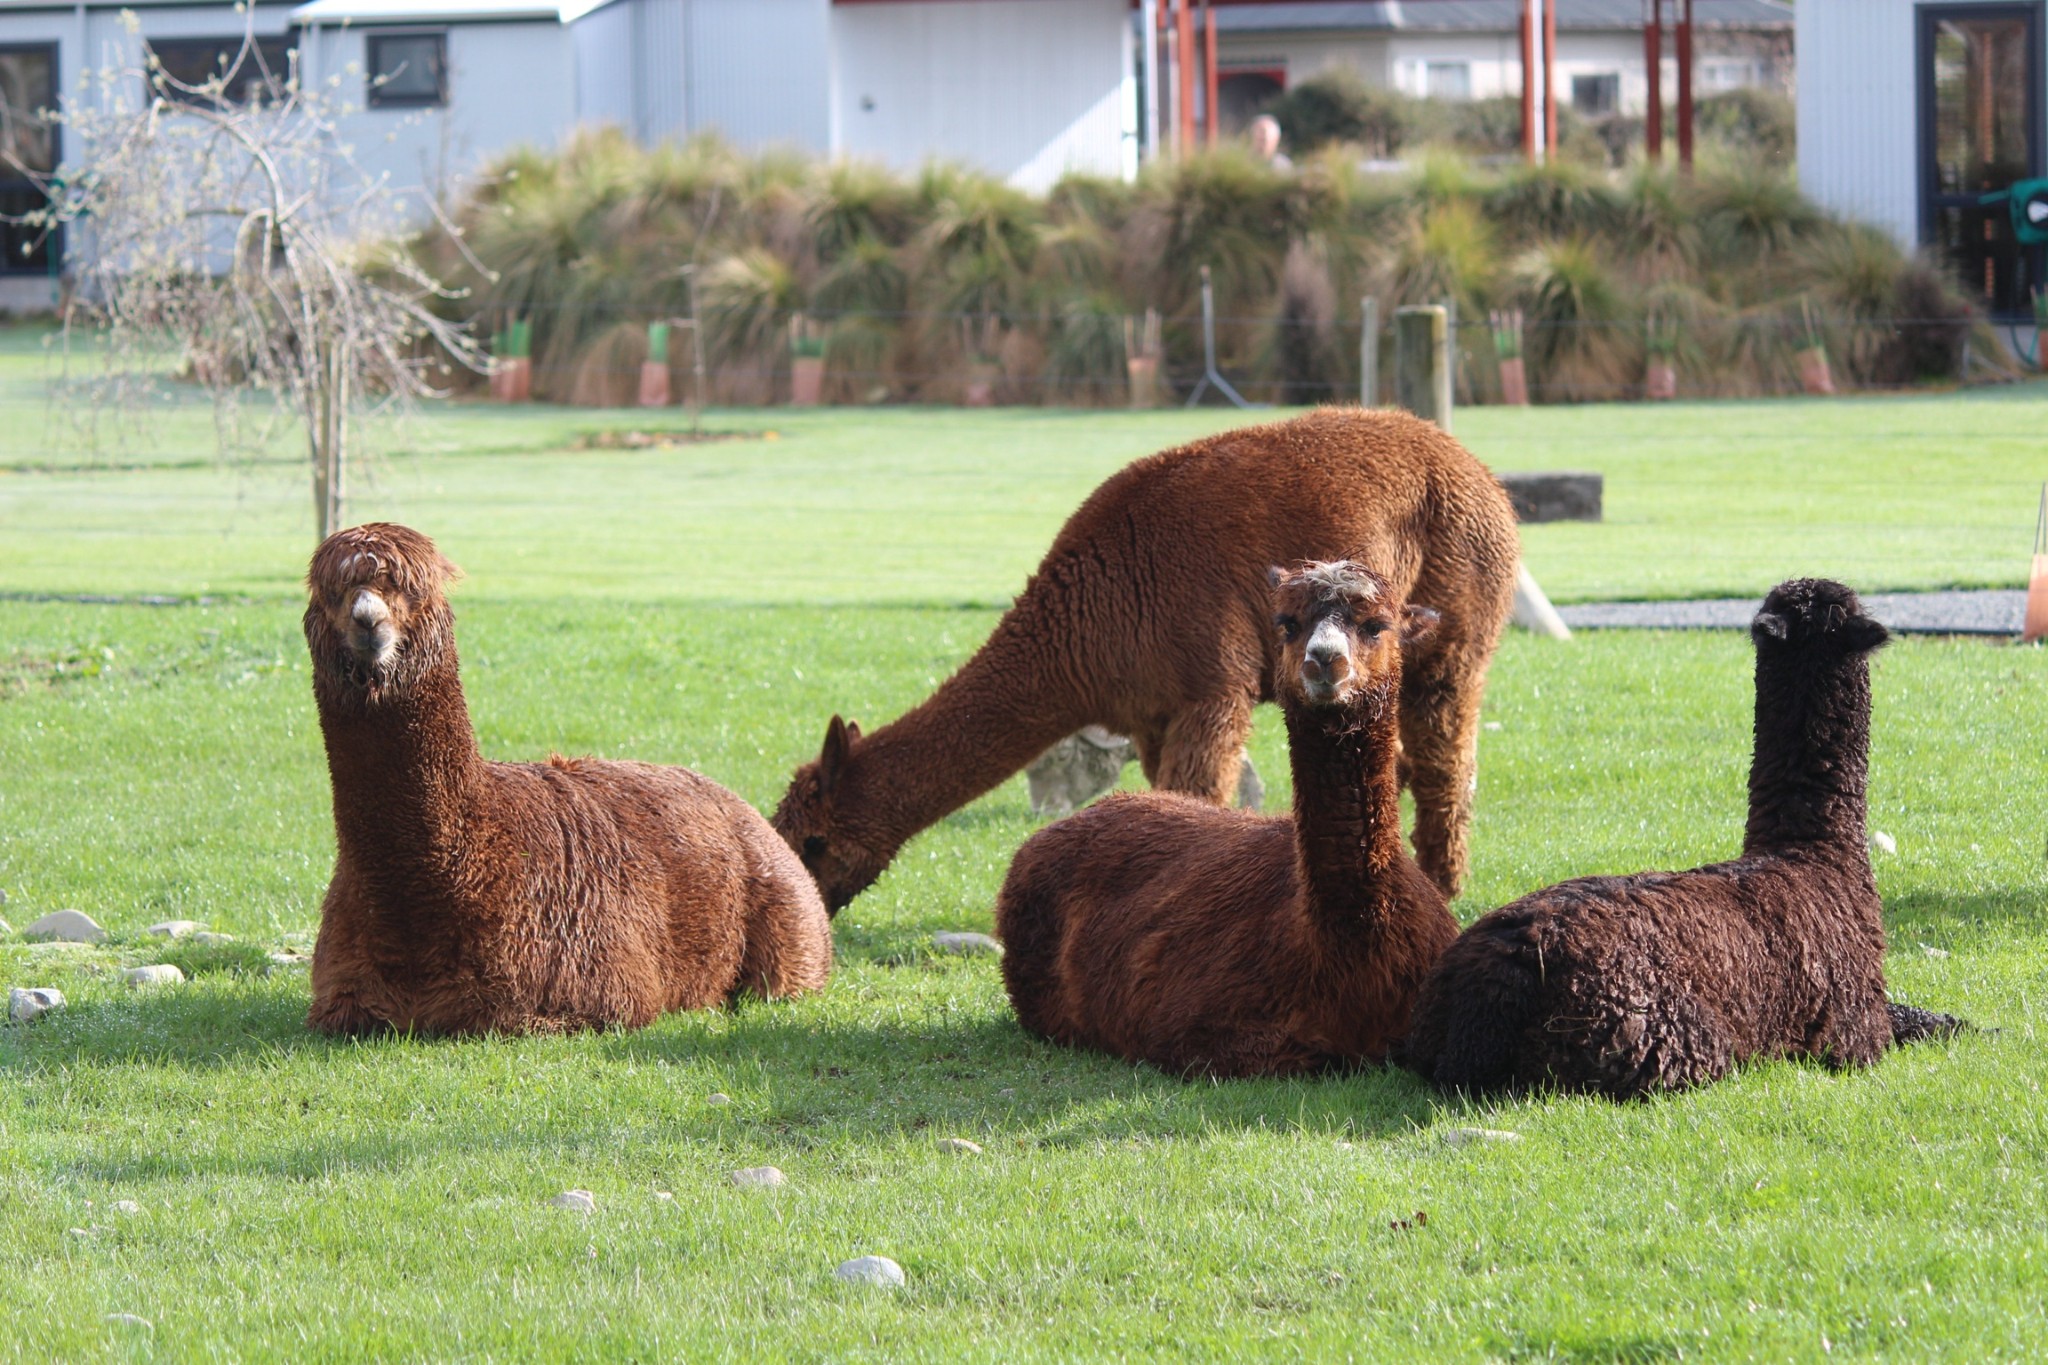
(1664, 980)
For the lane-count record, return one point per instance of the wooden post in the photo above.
(1450, 362)
(1528, 83)
(1213, 124)
(1685, 85)
(1653, 68)
(1369, 353)
(1550, 78)
(1188, 75)
(1422, 382)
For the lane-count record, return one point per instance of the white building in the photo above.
(1910, 111)
(1471, 49)
(1027, 89)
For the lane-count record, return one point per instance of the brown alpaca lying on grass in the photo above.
(1163, 929)
(1664, 980)
(1148, 617)
(471, 896)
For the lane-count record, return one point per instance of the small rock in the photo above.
(1468, 1137)
(1006, 1093)
(967, 945)
(1930, 950)
(174, 928)
(716, 1098)
(1883, 843)
(66, 926)
(157, 974)
(1492, 725)
(129, 1320)
(25, 1004)
(959, 1147)
(758, 1178)
(664, 1197)
(126, 1206)
(872, 1270)
(1343, 1146)
(78, 1232)
(582, 1201)
(211, 939)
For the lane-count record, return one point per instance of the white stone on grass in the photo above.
(25, 1003)
(129, 1320)
(959, 1147)
(758, 1178)
(210, 939)
(126, 1206)
(717, 1097)
(174, 928)
(1880, 842)
(872, 1270)
(66, 926)
(1930, 950)
(967, 945)
(1475, 1137)
(156, 974)
(581, 1201)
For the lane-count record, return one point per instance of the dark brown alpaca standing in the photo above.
(1663, 980)
(1148, 617)
(1167, 930)
(471, 896)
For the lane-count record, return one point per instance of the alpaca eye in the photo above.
(1289, 627)
(814, 848)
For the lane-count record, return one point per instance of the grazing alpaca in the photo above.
(471, 896)
(1148, 618)
(1664, 980)
(1166, 930)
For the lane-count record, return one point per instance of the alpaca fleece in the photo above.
(1148, 617)
(471, 896)
(1665, 980)
(1203, 940)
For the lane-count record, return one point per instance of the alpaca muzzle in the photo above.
(1325, 664)
(371, 636)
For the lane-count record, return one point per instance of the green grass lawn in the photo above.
(305, 1198)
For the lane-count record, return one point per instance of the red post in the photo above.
(1685, 84)
(1653, 67)
(1186, 30)
(1211, 112)
(1550, 78)
(1528, 85)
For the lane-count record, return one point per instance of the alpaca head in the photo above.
(823, 822)
(377, 618)
(1815, 618)
(1342, 630)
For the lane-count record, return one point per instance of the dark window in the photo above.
(408, 70)
(28, 149)
(221, 70)
(1240, 95)
(1980, 111)
(1596, 95)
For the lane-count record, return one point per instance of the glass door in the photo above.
(1980, 130)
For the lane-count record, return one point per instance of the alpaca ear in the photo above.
(449, 572)
(1275, 576)
(1862, 634)
(1418, 623)
(833, 757)
(1769, 623)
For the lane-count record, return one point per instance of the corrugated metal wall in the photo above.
(660, 65)
(1858, 109)
(603, 43)
(1028, 89)
(760, 71)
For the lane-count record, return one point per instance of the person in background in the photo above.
(1265, 136)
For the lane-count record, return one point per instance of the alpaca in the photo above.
(1092, 641)
(471, 896)
(1163, 929)
(1662, 980)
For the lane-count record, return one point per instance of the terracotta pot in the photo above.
(1143, 371)
(2035, 625)
(1660, 381)
(1814, 375)
(1514, 382)
(501, 379)
(806, 380)
(654, 383)
(981, 384)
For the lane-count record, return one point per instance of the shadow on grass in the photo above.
(1938, 916)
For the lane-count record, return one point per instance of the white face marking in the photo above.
(368, 608)
(1328, 640)
(371, 616)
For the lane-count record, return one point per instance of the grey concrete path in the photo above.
(1988, 611)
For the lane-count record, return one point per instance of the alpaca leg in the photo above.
(1440, 699)
(1204, 750)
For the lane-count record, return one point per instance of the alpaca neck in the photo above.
(402, 767)
(983, 724)
(1347, 809)
(1808, 774)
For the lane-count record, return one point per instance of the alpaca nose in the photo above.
(368, 610)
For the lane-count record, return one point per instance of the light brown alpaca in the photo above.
(471, 896)
(1149, 617)
(1165, 930)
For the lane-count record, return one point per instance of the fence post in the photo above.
(1369, 353)
(1422, 380)
(1452, 362)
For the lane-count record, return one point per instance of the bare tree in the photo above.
(221, 220)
